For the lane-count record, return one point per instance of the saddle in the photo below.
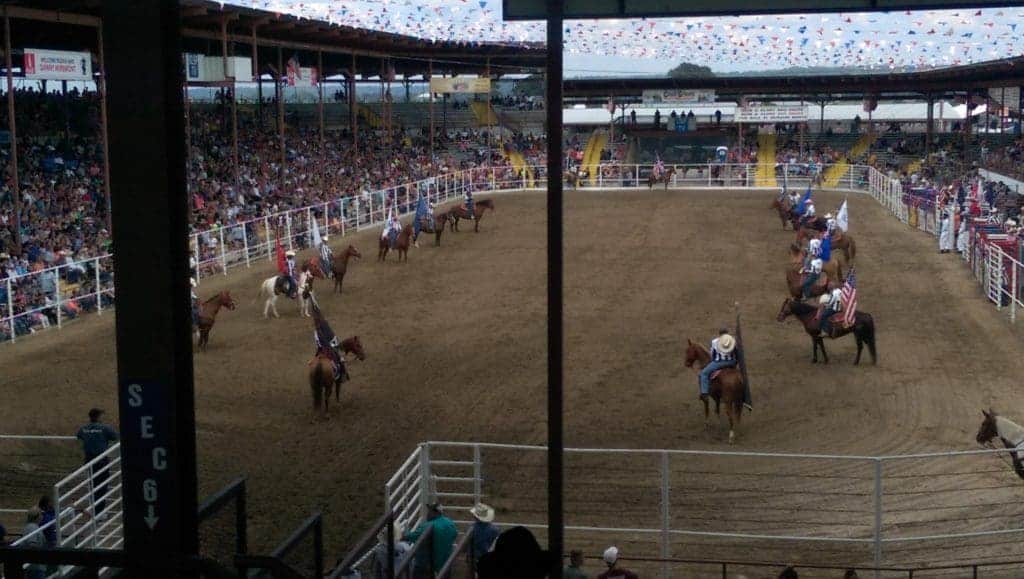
(822, 280)
(427, 224)
(337, 365)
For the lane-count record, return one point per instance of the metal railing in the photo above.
(870, 511)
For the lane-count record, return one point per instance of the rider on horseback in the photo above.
(831, 304)
(423, 217)
(327, 343)
(289, 264)
(195, 301)
(830, 223)
(470, 210)
(392, 227)
(723, 355)
(326, 257)
(812, 266)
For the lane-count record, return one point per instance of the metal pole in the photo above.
(99, 290)
(259, 77)
(341, 212)
(327, 218)
(666, 518)
(878, 515)
(266, 230)
(223, 252)
(1013, 291)
(234, 110)
(10, 308)
(430, 76)
(477, 474)
(555, 281)
(56, 291)
(245, 244)
(279, 89)
(101, 87)
(12, 127)
(353, 118)
(288, 229)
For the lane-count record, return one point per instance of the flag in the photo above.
(741, 358)
(422, 209)
(842, 217)
(281, 266)
(314, 233)
(849, 294)
(803, 202)
(826, 248)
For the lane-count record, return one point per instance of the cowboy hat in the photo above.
(192, 281)
(289, 254)
(325, 238)
(611, 555)
(726, 343)
(482, 513)
(828, 216)
(823, 300)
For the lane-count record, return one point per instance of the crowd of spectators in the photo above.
(518, 102)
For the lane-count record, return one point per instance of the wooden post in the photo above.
(280, 112)
(930, 129)
(101, 87)
(490, 128)
(259, 77)
(11, 126)
(353, 118)
(430, 75)
(320, 111)
(234, 109)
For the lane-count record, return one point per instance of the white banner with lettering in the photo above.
(678, 96)
(771, 114)
(57, 65)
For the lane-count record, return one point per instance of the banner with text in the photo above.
(57, 65)
(771, 114)
(454, 85)
(680, 96)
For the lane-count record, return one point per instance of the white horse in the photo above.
(270, 289)
(306, 292)
(1009, 433)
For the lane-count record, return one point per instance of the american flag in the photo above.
(849, 293)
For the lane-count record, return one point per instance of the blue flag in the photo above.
(422, 210)
(826, 248)
(803, 202)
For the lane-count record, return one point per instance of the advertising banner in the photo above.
(678, 96)
(771, 114)
(460, 85)
(57, 65)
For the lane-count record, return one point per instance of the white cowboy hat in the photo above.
(325, 238)
(611, 555)
(289, 254)
(726, 343)
(823, 300)
(482, 513)
(192, 282)
(828, 216)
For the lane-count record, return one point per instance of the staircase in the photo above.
(592, 154)
(835, 173)
(765, 176)
(515, 158)
(369, 116)
(484, 113)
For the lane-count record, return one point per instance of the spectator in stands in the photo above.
(33, 541)
(443, 539)
(611, 559)
(575, 568)
(789, 573)
(485, 532)
(48, 515)
(516, 555)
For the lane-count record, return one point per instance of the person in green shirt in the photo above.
(575, 568)
(442, 539)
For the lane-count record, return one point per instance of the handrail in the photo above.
(214, 502)
(312, 524)
(279, 568)
(464, 544)
(426, 537)
(365, 543)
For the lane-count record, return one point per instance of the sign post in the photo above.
(153, 326)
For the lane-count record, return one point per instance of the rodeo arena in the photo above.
(449, 288)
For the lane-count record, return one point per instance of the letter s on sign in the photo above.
(135, 395)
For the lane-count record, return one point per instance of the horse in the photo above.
(276, 286)
(401, 245)
(832, 273)
(437, 222)
(863, 329)
(1010, 434)
(808, 229)
(339, 265)
(785, 209)
(208, 315)
(574, 178)
(321, 373)
(726, 385)
(666, 178)
(310, 271)
(459, 212)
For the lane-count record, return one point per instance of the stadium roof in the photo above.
(205, 22)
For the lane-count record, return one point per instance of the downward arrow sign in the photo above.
(151, 518)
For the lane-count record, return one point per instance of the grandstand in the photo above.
(255, 179)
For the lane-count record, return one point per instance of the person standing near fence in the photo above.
(485, 532)
(442, 539)
(96, 438)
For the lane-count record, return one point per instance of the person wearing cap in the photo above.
(195, 300)
(723, 355)
(96, 437)
(830, 223)
(611, 559)
(812, 266)
(289, 265)
(485, 532)
(575, 568)
(380, 552)
(945, 234)
(442, 540)
(326, 257)
(831, 304)
(33, 540)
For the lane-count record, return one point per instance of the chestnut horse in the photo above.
(785, 209)
(402, 244)
(831, 274)
(437, 222)
(574, 178)
(208, 315)
(863, 329)
(843, 242)
(459, 212)
(726, 386)
(321, 373)
(665, 178)
(339, 265)
(1008, 432)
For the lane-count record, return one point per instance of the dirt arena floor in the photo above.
(456, 351)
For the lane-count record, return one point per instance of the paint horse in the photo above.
(1009, 433)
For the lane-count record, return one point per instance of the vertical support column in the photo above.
(245, 242)
(279, 90)
(57, 299)
(288, 228)
(353, 118)
(320, 115)
(101, 87)
(12, 127)
(930, 129)
(426, 479)
(555, 284)
(666, 516)
(477, 474)
(155, 377)
(258, 74)
(234, 109)
(327, 218)
(967, 126)
(10, 308)
(1013, 289)
(430, 75)
(878, 515)
(99, 290)
(223, 251)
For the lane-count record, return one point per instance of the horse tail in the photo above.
(869, 336)
(851, 249)
(315, 380)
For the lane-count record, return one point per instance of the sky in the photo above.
(921, 39)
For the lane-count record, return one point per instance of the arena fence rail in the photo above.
(918, 512)
(53, 296)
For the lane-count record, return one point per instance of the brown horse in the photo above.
(863, 329)
(339, 265)
(459, 212)
(726, 386)
(1007, 431)
(785, 209)
(843, 242)
(831, 274)
(574, 178)
(436, 224)
(401, 245)
(208, 316)
(665, 178)
(321, 373)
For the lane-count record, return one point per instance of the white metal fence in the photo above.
(910, 510)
